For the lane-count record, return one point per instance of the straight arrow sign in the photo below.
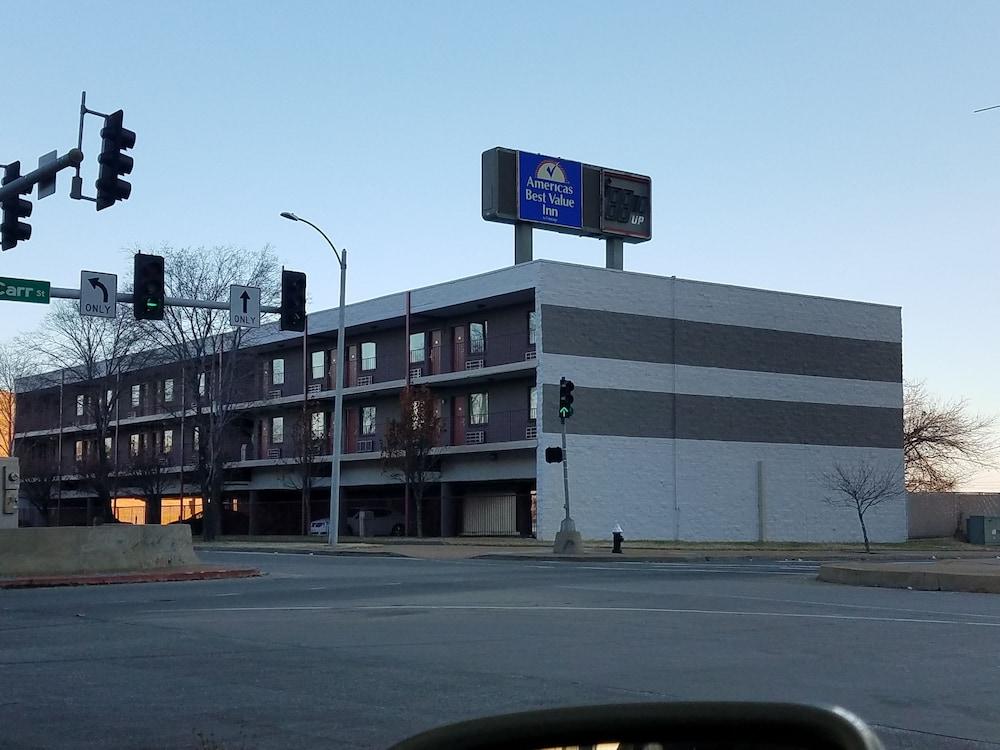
(244, 306)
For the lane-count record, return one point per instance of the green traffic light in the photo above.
(151, 305)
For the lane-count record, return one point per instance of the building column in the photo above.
(449, 511)
(253, 499)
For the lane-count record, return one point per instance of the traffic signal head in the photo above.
(565, 398)
(293, 301)
(14, 208)
(114, 164)
(553, 455)
(148, 298)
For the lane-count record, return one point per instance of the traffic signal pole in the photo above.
(23, 184)
(567, 521)
(57, 292)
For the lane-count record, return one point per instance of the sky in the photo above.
(822, 148)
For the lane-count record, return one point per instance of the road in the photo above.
(359, 652)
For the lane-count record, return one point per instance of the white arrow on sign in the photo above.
(98, 294)
(244, 306)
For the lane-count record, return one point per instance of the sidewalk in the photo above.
(462, 548)
(158, 575)
(980, 576)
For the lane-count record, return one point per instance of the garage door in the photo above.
(489, 515)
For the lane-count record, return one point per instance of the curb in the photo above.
(688, 558)
(162, 576)
(920, 580)
(293, 551)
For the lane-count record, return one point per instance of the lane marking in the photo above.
(836, 605)
(567, 608)
(709, 570)
(235, 593)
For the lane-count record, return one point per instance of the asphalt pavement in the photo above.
(328, 652)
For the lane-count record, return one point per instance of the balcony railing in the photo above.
(495, 427)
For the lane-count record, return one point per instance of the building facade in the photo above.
(702, 411)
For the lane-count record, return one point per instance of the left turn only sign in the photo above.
(98, 294)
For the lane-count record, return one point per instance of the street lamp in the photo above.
(338, 385)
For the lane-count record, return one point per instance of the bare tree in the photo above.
(18, 359)
(309, 440)
(943, 442)
(209, 349)
(148, 473)
(407, 444)
(96, 352)
(861, 487)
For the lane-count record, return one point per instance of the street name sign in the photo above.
(244, 306)
(24, 290)
(98, 294)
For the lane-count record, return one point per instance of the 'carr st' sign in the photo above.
(24, 290)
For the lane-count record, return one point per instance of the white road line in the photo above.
(837, 605)
(235, 593)
(567, 608)
(727, 571)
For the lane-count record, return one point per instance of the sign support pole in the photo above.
(522, 243)
(614, 253)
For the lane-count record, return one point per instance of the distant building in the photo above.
(702, 411)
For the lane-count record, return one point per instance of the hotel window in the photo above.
(277, 372)
(477, 338)
(367, 420)
(479, 408)
(368, 355)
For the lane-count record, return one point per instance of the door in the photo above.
(435, 352)
(351, 436)
(458, 348)
(458, 420)
(442, 437)
(352, 366)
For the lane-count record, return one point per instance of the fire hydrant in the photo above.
(617, 537)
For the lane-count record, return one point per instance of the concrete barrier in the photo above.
(97, 549)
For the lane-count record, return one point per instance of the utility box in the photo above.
(10, 484)
(983, 530)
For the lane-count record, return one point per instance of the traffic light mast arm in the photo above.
(65, 293)
(23, 184)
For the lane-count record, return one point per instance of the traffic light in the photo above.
(114, 164)
(15, 208)
(565, 398)
(553, 455)
(293, 301)
(148, 298)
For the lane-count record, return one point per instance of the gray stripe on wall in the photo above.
(644, 414)
(647, 338)
(594, 372)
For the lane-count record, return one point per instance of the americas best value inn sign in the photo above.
(566, 196)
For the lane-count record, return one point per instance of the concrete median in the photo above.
(98, 549)
(977, 576)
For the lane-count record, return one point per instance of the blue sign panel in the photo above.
(550, 191)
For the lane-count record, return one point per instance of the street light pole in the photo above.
(338, 386)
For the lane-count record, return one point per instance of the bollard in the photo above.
(617, 537)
